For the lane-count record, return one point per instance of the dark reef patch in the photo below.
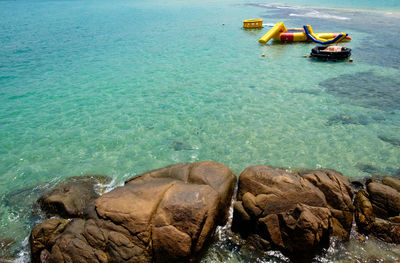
(382, 54)
(22, 200)
(347, 119)
(365, 89)
(391, 140)
(378, 172)
(181, 146)
(368, 168)
(353, 119)
(307, 91)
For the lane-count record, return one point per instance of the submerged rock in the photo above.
(347, 119)
(166, 215)
(282, 210)
(181, 146)
(365, 89)
(391, 140)
(70, 198)
(368, 168)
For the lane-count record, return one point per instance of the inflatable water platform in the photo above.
(281, 33)
(331, 52)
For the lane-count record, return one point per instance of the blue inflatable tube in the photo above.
(310, 36)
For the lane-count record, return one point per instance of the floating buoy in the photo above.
(252, 23)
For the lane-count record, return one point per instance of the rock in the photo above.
(357, 184)
(5, 249)
(392, 182)
(283, 210)
(43, 237)
(364, 214)
(338, 194)
(83, 241)
(367, 221)
(374, 179)
(166, 215)
(214, 174)
(394, 219)
(70, 198)
(385, 200)
(386, 231)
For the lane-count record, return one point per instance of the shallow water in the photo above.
(122, 87)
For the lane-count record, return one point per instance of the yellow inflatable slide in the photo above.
(281, 33)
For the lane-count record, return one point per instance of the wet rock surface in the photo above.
(166, 215)
(385, 200)
(170, 214)
(70, 198)
(43, 237)
(276, 209)
(339, 194)
(392, 182)
(5, 253)
(378, 210)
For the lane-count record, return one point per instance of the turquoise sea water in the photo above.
(122, 87)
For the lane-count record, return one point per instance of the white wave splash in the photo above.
(317, 14)
(301, 11)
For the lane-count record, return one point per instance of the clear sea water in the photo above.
(122, 87)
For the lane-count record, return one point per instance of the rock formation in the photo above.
(5, 253)
(378, 210)
(70, 198)
(338, 194)
(170, 214)
(166, 215)
(293, 212)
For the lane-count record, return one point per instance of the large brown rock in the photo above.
(386, 231)
(377, 212)
(282, 209)
(43, 237)
(166, 215)
(71, 197)
(385, 200)
(392, 182)
(338, 194)
(216, 175)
